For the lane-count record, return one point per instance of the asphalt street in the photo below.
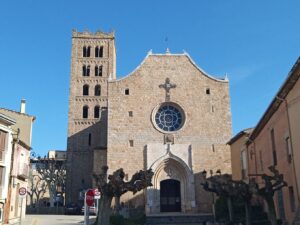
(54, 220)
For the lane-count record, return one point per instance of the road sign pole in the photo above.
(97, 201)
(22, 195)
(86, 212)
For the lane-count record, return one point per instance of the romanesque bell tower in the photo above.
(93, 63)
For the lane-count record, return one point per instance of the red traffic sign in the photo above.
(89, 197)
(22, 191)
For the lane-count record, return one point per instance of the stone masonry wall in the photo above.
(208, 117)
(87, 136)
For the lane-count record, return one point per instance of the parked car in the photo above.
(72, 209)
(92, 210)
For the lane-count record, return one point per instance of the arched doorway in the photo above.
(170, 199)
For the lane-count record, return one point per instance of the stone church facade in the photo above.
(168, 115)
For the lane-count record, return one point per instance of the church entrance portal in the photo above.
(170, 199)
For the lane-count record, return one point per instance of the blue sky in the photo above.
(255, 42)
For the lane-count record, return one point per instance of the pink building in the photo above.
(274, 141)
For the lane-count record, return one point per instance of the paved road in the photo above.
(54, 220)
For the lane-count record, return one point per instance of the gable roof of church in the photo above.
(168, 54)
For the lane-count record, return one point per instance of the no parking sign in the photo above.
(22, 192)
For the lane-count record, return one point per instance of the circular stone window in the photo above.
(169, 117)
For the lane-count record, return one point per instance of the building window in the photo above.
(85, 112)
(3, 137)
(261, 161)
(86, 51)
(96, 112)
(130, 113)
(99, 51)
(97, 90)
(86, 70)
(292, 199)
(273, 147)
(85, 90)
(207, 91)
(288, 149)
(1, 175)
(131, 143)
(244, 163)
(90, 139)
(126, 91)
(98, 71)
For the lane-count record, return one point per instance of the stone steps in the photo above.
(195, 219)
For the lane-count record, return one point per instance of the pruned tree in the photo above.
(272, 183)
(37, 188)
(52, 172)
(224, 186)
(113, 186)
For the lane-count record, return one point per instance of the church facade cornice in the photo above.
(168, 54)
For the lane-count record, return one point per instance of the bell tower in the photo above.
(93, 63)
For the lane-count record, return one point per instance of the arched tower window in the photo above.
(88, 68)
(97, 90)
(85, 89)
(99, 51)
(98, 71)
(84, 70)
(85, 112)
(97, 111)
(88, 52)
(84, 51)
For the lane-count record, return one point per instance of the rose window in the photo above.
(169, 118)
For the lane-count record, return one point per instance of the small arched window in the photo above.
(98, 71)
(97, 90)
(84, 51)
(88, 68)
(126, 91)
(85, 112)
(97, 112)
(88, 52)
(99, 51)
(84, 70)
(85, 89)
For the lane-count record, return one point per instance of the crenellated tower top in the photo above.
(89, 34)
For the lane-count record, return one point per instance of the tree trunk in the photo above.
(104, 211)
(51, 196)
(31, 199)
(230, 209)
(117, 205)
(248, 212)
(271, 210)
